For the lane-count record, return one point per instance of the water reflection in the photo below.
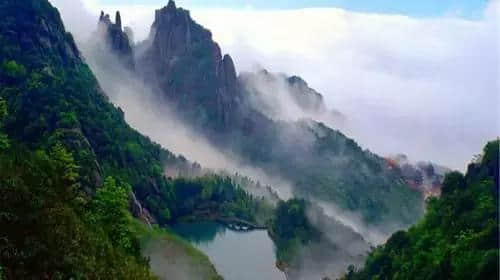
(236, 255)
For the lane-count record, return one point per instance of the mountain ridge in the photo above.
(186, 70)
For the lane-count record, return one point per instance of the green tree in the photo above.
(4, 142)
(110, 209)
(457, 239)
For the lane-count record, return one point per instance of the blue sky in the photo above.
(418, 8)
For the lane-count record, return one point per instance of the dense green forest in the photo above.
(458, 237)
(211, 196)
(291, 229)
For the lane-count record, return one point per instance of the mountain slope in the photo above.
(281, 97)
(458, 237)
(70, 166)
(185, 66)
(53, 96)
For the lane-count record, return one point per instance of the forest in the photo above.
(458, 237)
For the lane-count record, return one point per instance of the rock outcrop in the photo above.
(181, 57)
(425, 177)
(140, 212)
(116, 39)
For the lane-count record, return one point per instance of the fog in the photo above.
(273, 95)
(154, 118)
(426, 87)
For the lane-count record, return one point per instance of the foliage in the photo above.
(155, 234)
(4, 142)
(60, 218)
(208, 196)
(110, 209)
(46, 226)
(458, 237)
(325, 164)
(291, 229)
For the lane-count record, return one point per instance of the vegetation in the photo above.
(290, 229)
(69, 163)
(213, 195)
(157, 237)
(50, 229)
(458, 237)
(324, 164)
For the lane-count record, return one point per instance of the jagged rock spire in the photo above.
(118, 20)
(116, 39)
(171, 4)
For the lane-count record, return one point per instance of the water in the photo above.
(236, 255)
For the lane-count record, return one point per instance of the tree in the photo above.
(110, 209)
(4, 142)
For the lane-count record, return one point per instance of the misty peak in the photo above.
(118, 20)
(104, 18)
(117, 40)
(228, 64)
(171, 5)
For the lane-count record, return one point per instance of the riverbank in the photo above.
(172, 257)
(237, 255)
(231, 222)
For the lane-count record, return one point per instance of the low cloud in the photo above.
(427, 87)
(424, 87)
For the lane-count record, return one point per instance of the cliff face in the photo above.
(116, 39)
(181, 57)
(36, 35)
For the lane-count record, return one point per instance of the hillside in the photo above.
(71, 168)
(188, 73)
(456, 239)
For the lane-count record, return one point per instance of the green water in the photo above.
(236, 255)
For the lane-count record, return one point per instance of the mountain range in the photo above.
(81, 189)
(185, 69)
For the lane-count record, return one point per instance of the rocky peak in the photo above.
(118, 20)
(116, 39)
(171, 5)
(182, 57)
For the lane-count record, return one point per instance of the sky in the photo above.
(411, 77)
(424, 8)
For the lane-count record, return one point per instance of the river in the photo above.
(236, 255)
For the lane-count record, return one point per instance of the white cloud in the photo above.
(425, 87)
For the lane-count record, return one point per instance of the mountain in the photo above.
(183, 61)
(56, 223)
(116, 39)
(185, 68)
(458, 237)
(281, 97)
(71, 168)
(426, 177)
